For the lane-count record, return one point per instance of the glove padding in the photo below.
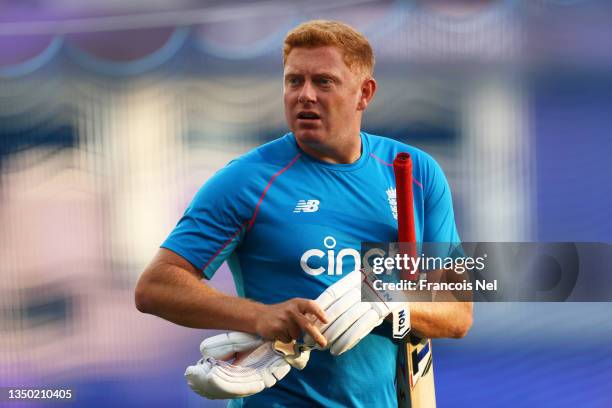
(350, 319)
(236, 364)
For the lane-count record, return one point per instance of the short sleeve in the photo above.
(439, 225)
(214, 223)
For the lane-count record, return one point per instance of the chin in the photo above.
(309, 137)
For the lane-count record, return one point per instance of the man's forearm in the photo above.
(449, 314)
(183, 299)
(441, 319)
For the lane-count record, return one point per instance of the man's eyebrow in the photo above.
(316, 75)
(327, 74)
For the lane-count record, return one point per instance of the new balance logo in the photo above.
(306, 206)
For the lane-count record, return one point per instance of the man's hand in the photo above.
(287, 321)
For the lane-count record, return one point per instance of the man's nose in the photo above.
(307, 93)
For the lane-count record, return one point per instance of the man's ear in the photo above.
(368, 89)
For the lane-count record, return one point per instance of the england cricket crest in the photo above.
(392, 198)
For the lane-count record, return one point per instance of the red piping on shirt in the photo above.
(417, 182)
(223, 247)
(261, 198)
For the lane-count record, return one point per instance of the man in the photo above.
(289, 217)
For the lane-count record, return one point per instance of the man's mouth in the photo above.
(307, 115)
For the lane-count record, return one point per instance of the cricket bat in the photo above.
(414, 375)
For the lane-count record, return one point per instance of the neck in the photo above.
(348, 152)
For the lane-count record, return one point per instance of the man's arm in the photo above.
(441, 319)
(171, 288)
(450, 315)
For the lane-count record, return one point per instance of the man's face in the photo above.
(322, 97)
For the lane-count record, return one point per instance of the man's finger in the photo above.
(295, 331)
(311, 307)
(310, 328)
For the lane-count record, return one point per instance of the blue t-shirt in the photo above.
(290, 225)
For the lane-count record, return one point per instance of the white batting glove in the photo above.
(350, 319)
(236, 365)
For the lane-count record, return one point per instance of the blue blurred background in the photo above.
(113, 113)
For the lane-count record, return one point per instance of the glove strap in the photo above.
(296, 354)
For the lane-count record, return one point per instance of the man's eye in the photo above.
(325, 81)
(293, 81)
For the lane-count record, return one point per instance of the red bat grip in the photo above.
(402, 167)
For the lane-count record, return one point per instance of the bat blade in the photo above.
(414, 376)
(420, 371)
